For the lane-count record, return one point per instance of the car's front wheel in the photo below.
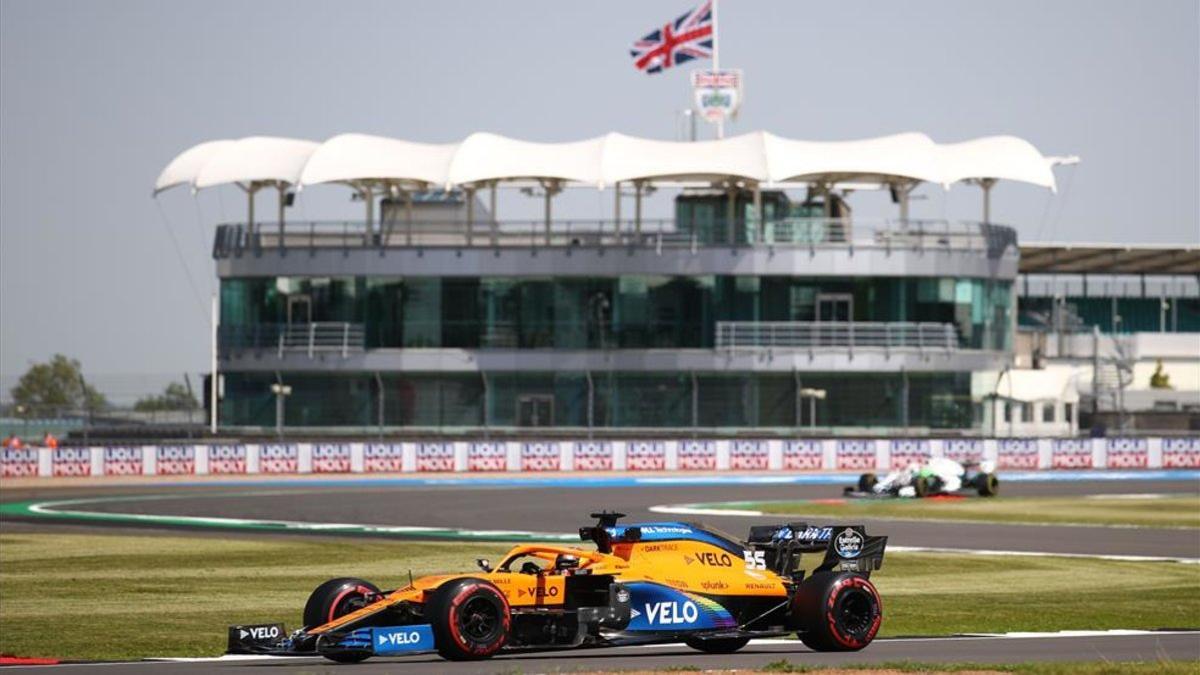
(470, 619)
(837, 611)
(335, 598)
(717, 645)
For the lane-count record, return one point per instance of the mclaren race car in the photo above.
(937, 476)
(660, 582)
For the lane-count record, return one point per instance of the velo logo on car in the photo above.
(672, 613)
(709, 559)
(402, 639)
(260, 632)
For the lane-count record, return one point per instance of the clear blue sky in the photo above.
(95, 97)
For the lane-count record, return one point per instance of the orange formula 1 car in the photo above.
(644, 583)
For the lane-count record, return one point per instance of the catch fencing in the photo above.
(738, 455)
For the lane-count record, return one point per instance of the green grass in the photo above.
(118, 596)
(1166, 511)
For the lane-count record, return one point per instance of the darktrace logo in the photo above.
(848, 544)
(709, 559)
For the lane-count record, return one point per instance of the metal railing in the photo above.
(318, 337)
(234, 240)
(814, 335)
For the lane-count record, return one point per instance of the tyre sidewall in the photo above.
(323, 603)
(816, 607)
(442, 613)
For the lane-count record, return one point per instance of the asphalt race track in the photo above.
(1177, 646)
(558, 509)
(564, 509)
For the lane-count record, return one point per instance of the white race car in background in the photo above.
(937, 476)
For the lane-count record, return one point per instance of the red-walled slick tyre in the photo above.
(339, 597)
(470, 619)
(837, 611)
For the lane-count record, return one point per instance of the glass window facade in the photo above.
(1119, 315)
(626, 312)
(939, 400)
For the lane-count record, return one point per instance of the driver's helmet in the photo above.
(565, 562)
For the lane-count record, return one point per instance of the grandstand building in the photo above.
(763, 306)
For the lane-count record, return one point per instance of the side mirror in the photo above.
(484, 564)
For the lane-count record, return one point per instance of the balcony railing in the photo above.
(820, 335)
(234, 240)
(319, 337)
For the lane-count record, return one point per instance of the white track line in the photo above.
(776, 642)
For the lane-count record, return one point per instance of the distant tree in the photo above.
(56, 384)
(174, 397)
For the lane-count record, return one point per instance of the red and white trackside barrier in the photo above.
(741, 455)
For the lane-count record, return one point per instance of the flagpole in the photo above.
(717, 64)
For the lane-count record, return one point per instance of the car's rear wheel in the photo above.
(717, 645)
(335, 598)
(866, 482)
(837, 611)
(470, 619)
(987, 484)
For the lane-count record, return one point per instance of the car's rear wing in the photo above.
(848, 548)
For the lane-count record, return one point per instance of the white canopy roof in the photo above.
(358, 157)
(629, 158)
(485, 157)
(1003, 157)
(183, 169)
(912, 155)
(602, 161)
(256, 158)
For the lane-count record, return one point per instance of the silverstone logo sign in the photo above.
(805, 455)
(175, 460)
(592, 456)
(717, 93)
(697, 455)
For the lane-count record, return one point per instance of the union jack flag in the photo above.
(686, 38)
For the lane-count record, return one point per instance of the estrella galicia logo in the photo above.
(848, 544)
